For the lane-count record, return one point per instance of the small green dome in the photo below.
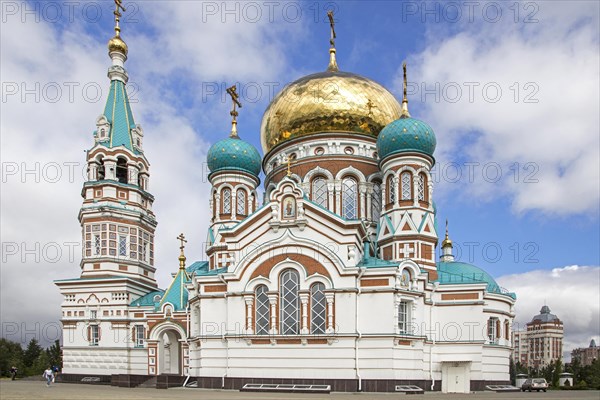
(234, 154)
(455, 272)
(405, 135)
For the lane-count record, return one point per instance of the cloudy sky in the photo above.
(511, 90)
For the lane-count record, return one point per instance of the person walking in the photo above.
(13, 373)
(49, 375)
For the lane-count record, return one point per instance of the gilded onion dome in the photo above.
(117, 44)
(330, 101)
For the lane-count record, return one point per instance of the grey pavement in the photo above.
(28, 390)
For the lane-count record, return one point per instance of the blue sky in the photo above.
(542, 56)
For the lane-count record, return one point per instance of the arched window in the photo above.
(241, 202)
(422, 187)
(122, 170)
(349, 198)
(391, 189)
(226, 194)
(319, 191)
(318, 309)
(289, 303)
(262, 310)
(376, 201)
(506, 330)
(405, 190)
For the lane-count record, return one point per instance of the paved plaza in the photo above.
(27, 390)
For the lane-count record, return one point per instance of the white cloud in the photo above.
(553, 62)
(571, 292)
(36, 212)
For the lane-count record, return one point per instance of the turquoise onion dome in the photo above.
(406, 135)
(234, 154)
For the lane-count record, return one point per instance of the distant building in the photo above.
(586, 355)
(541, 342)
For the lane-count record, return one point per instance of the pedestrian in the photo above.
(49, 375)
(13, 372)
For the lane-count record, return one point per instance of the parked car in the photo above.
(535, 384)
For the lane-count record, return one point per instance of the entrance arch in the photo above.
(169, 349)
(169, 353)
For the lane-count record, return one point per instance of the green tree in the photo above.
(558, 369)
(11, 355)
(31, 353)
(54, 354)
(39, 365)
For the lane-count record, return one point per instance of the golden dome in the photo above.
(117, 44)
(330, 101)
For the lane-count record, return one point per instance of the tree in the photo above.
(54, 354)
(558, 369)
(31, 353)
(11, 354)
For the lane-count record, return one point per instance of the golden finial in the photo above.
(405, 113)
(116, 43)
(181, 238)
(332, 61)
(232, 91)
(447, 241)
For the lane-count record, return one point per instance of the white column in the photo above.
(273, 304)
(304, 301)
(330, 195)
(369, 196)
(329, 296)
(338, 196)
(110, 168)
(249, 324)
(362, 188)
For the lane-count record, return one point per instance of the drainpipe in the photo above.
(223, 333)
(187, 316)
(360, 274)
(435, 286)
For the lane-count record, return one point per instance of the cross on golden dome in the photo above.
(332, 61)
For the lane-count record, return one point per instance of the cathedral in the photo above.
(330, 278)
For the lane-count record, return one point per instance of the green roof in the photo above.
(200, 268)
(177, 294)
(148, 299)
(118, 113)
(406, 135)
(234, 154)
(455, 272)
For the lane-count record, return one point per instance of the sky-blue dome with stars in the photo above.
(234, 154)
(406, 135)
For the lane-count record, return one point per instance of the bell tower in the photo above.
(116, 217)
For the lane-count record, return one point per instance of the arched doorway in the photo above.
(169, 352)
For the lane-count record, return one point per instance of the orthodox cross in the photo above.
(332, 25)
(118, 15)
(181, 238)
(232, 91)
(405, 113)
